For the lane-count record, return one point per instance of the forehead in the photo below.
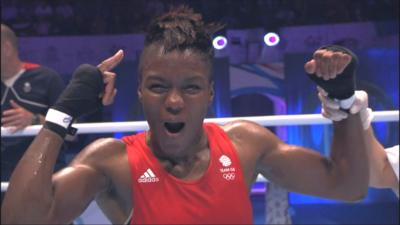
(155, 59)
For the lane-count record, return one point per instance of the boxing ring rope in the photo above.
(275, 120)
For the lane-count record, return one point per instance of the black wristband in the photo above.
(344, 84)
(82, 95)
(61, 131)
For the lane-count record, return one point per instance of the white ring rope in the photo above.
(4, 185)
(277, 120)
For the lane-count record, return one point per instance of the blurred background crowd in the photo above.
(69, 17)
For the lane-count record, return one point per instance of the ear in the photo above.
(211, 93)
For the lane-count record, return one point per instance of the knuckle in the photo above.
(336, 55)
(328, 54)
(326, 57)
(318, 53)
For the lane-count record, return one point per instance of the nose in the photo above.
(174, 102)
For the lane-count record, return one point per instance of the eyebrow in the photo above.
(155, 77)
(194, 78)
(161, 78)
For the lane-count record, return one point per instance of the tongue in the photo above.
(174, 127)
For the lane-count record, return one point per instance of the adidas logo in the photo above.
(148, 177)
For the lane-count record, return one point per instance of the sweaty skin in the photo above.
(176, 87)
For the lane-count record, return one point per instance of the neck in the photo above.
(13, 67)
(187, 156)
(189, 166)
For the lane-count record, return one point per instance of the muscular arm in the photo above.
(380, 170)
(342, 176)
(36, 196)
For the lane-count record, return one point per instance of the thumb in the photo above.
(356, 107)
(360, 103)
(310, 66)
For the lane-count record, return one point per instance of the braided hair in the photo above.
(180, 29)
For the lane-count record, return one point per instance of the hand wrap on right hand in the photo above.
(80, 97)
(343, 85)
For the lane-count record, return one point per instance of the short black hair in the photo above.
(180, 29)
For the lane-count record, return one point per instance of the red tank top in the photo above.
(218, 197)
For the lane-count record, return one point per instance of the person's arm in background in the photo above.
(393, 159)
(382, 173)
(18, 117)
(34, 196)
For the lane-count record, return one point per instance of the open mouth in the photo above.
(174, 127)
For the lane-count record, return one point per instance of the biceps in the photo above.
(74, 188)
(298, 169)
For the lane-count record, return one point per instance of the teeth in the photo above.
(174, 127)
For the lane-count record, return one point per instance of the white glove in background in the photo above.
(331, 108)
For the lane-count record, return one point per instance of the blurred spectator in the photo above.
(43, 10)
(27, 91)
(154, 7)
(9, 12)
(285, 15)
(66, 17)
(42, 27)
(64, 11)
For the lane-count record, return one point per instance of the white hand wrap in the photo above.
(358, 103)
(366, 117)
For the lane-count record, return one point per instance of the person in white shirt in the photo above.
(383, 163)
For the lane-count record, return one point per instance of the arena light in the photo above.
(220, 42)
(271, 39)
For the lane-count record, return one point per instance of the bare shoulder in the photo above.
(239, 129)
(252, 142)
(248, 133)
(100, 151)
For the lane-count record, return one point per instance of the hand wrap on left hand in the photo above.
(343, 85)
